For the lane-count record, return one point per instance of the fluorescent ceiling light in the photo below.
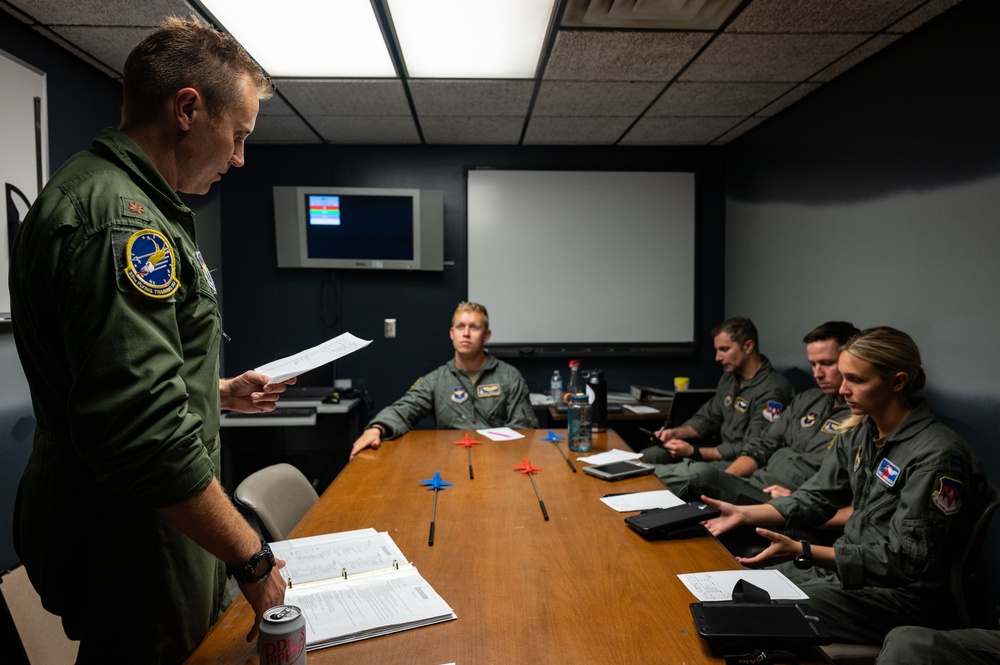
(305, 38)
(470, 38)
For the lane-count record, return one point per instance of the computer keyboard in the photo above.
(293, 412)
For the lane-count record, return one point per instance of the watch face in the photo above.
(263, 567)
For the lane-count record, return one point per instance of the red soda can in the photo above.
(282, 639)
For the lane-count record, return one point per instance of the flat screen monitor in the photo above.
(359, 227)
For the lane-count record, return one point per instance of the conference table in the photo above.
(580, 587)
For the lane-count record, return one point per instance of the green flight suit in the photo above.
(915, 645)
(914, 500)
(124, 380)
(787, 453)
(737, 412)
(499, 398)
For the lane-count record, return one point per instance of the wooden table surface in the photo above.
(579, 588)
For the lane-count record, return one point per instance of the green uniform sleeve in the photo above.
(819, 498)
(400, 416)
(707, 420)
(128, 404)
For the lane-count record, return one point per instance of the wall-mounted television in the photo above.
(359, 227)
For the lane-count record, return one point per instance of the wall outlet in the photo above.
(390, 328)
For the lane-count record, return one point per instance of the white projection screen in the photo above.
(583, 259)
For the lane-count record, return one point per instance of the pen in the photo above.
(604, 496)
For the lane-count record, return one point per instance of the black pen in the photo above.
(604, 496)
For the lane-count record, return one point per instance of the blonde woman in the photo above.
(914, 485)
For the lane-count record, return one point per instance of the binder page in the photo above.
(366, 607)
(329, 556)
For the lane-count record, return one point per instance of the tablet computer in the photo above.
(618, 470)
(760, 624)
(663, 520)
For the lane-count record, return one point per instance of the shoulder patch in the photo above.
(948, 495)
(772, 411)
(206, 272)
(149, 264)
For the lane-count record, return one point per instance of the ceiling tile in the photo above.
(108, 45)
(820, 15)
(366, 129)
(677, 131)
(575, 131)
(134, 13)
(275, 106)
(471, 98)
(739, 57)
(281, 129)
(592, 55)
(924, 13)
(594, 98)
(738, 130)
(356, 97)
(869, 48)
(445, 130)
(717, 99)
(77, 51)
(787, 99)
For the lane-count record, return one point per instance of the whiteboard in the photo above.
(583, 258)
(25, 151)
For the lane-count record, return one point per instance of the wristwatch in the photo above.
(257, 569)
(804, 561)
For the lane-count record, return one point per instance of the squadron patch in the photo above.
(887, 472)
(742, 404)
(809, 420)
(948, 495)
(831, 427)
(488, 390)
(772, 411)
(458, 394)
(728, 400)
(205, 271)
(151, 268)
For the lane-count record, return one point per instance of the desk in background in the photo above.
(579, 588)
(305, 431)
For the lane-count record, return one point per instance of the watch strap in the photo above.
(247, 572)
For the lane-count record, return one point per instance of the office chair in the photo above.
(960, 579)
(279, 495)
(35, 635)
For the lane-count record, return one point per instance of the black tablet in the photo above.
(662, 520)
(618, 470)
(759, 624)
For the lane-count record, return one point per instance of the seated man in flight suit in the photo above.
(474, 390)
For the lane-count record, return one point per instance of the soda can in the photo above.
(282, 639)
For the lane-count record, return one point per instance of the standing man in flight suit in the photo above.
(474, 390)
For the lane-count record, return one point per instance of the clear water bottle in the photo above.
(575, 384)
(578, 420)
(556, 387)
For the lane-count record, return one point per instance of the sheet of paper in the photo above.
(624, 503)
(719, 585)
(500, 434)
(329, 556)
(317, 356)
(640, 408)
(614, 455)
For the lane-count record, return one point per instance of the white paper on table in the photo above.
(624, 503)
(614, 455)
(500, 434)
(719, 585)
(317, 356)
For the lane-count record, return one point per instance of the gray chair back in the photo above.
(279, 496)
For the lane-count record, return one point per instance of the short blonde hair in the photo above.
(475, 308)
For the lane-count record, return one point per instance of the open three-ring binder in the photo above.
(355, 585)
